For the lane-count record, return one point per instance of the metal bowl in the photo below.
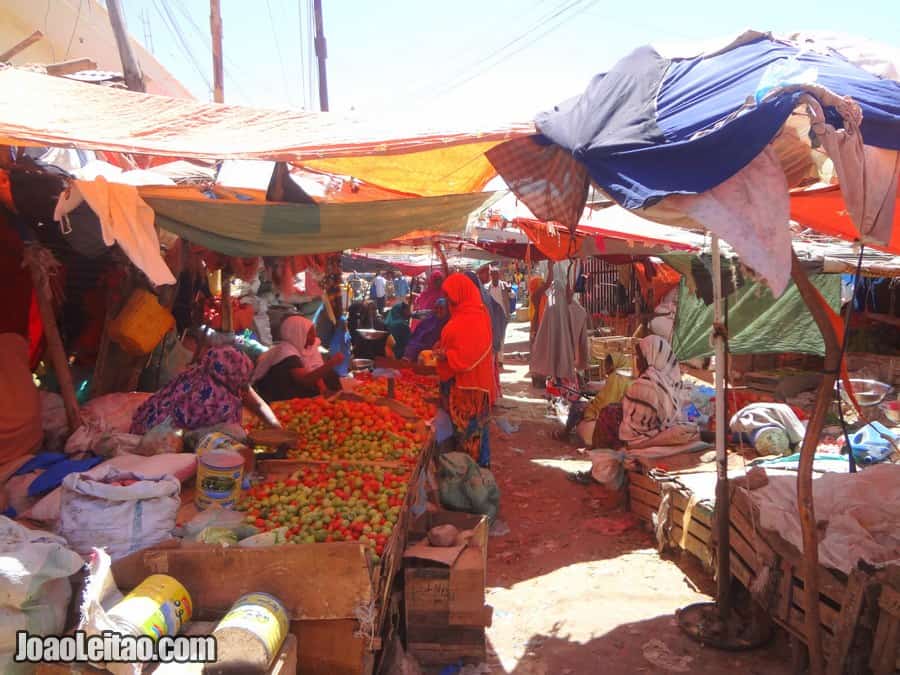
(362, 364)
(868, 392)
(372, 334)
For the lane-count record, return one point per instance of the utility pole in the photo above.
(131, 69)
(215, 29)
(321, 55)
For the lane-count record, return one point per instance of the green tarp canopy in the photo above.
(279, 229)
(757, 322)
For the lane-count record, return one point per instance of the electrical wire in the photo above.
(172, 26)
(497, 56)
(284, 76)
(74, 28)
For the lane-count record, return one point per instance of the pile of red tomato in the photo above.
(332, 429)
(412, 390)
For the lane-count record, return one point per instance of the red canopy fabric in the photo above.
(825, 211)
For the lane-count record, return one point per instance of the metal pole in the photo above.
(215, 29)
(321, 55)
(723, 557)
(131, 69)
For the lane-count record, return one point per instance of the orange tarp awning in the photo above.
(825, 211)
(411, 155)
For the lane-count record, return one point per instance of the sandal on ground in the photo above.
(581, 477)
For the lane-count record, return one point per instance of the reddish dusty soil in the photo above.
(567, 598)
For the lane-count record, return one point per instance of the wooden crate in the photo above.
(336, 581)
(444, 606)
(753, 549)
(285, 662)
(645, 493)
(885, 657)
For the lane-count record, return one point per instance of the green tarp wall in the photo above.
(757, 322)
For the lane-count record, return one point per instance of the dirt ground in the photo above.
(567, 598)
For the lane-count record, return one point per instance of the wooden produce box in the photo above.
(285, 662)
(444, 595)
(323, 586)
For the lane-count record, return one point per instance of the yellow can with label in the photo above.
(219, 476)
(158, 606)
(249, 637)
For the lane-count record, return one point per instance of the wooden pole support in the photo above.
(55, 348)
(21, 46)
(723, 561)
(227, 313)
(131, 69)
(805, 504)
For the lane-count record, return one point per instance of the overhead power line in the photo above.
(284, 77)
(536, 32)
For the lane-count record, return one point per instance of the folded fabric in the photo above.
(40, 461)
(55, 473)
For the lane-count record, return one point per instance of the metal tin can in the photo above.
(256, 619)
(158, 606)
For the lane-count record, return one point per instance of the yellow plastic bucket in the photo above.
(158, 606)
(141, 324)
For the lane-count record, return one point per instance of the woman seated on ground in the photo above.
(209, 393)
(651, 409)
(294, 367)
(427, 332)
(588, 416)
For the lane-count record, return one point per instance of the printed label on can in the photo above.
(261, 614)
(158, 606)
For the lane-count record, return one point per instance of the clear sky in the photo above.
(479, 59)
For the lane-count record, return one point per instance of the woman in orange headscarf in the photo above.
(466, 367)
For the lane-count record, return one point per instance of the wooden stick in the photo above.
(215, 29)
(71, 66)
(805, 504)
(21, 46)
(55, 347)
(227, 313)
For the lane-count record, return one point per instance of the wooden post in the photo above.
(227, 313)
(55, 348)
(131, 69)
(321, 55)
(21, 46)
(215, 30)
(805, 504)
(723, 557)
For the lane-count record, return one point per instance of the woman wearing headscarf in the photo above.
(651, 409)
(428, 332)
(397, 324)
(427, 298)
(294, 367)
(466, 367)
(211, 392)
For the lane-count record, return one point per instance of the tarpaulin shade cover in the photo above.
(825, 211)
(54, 111)
(239, 228)
(650, 126)
(757, 322)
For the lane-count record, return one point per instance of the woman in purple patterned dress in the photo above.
(211, 392)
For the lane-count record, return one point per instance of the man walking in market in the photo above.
(498, 290)
(379, 291)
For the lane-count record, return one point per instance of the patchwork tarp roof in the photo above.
(413, 155)
(715, 142)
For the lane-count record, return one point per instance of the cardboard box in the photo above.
(444, 592)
